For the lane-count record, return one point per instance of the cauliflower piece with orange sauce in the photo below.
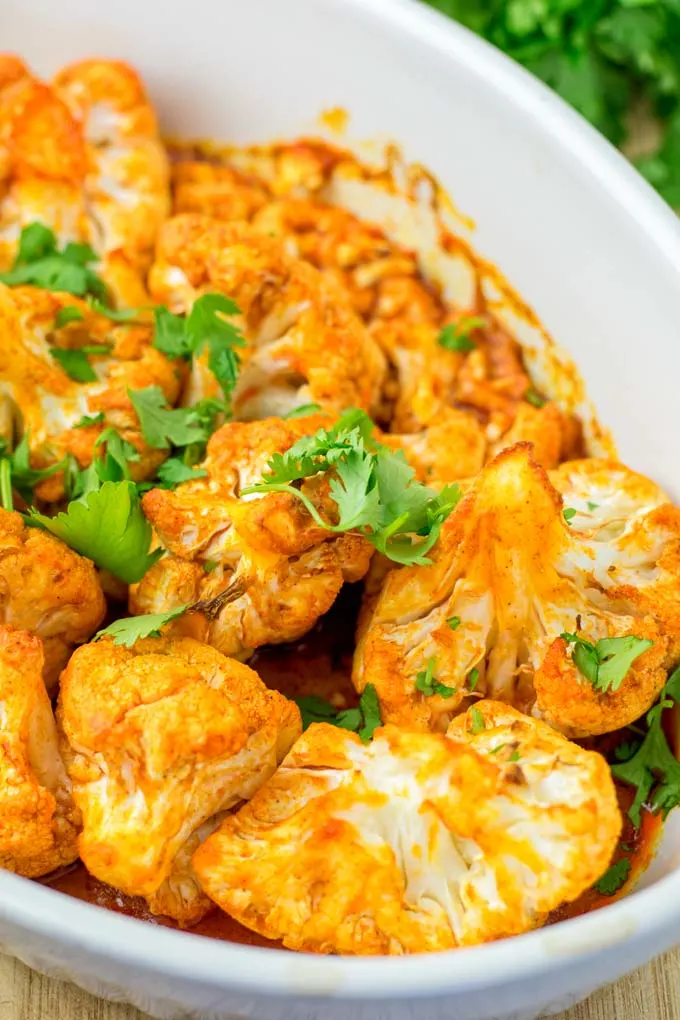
(509, 576)
(261, 569)
(160, 740)
(305, 344)
(48, 589)
(83, 155)
(37, 396)
(414, 842)
(38, 819)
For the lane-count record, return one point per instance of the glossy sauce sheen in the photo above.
(321, 664)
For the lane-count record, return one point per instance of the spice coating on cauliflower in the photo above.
(415, 842)
(509, 576)
(38, 819)
(159, 740)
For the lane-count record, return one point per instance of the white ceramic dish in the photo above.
(588, 245)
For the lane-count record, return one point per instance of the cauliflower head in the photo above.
(305, 344)
(38, 819)
(83, 155)
(48, 589)
(260, 569)
(510, 576)
(38, 397)
(414, 842)
(159, 740)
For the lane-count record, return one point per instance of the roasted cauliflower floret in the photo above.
(509, 577)
(37, 396)
(160, 739)
(38, 819)
(305, 344)
(83, 155)
(48, 589)
(261, 570)
(415, 842)
(605, 494)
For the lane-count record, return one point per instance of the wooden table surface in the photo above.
(652, 993)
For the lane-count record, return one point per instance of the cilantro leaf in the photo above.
(39, 262)
(134, 628)
(209, 328)
(75, 363)
(123, 315)
(24, 478)
(302, 411)
(174, 471)
(453, 622)
(427, 684)
(605, 664)
(455, 336)
(68, 314)
(108, 527)
(614, 878)
(477, 724)
(89, 419)
(569, 513)
(473, 678)
(652, 766)
(170, 334)
(534, 398)
(363, 720)
(162, 426)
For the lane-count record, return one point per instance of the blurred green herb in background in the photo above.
(608, 58)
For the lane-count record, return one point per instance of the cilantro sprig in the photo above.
(614, 878)
(605, 663)
(364, 720)
(373, 488)
(18, 473)
(455, 336)
(133, 628)
(40, 261)
(205, 328)
(650, 766)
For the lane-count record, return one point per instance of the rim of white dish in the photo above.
(653, 911)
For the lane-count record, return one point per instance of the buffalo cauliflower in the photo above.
(415, 842)
(161, 739)
(259, 568)
(514, 599)
(38, 819)
(83, 155)
(48, 589)
(38, 397)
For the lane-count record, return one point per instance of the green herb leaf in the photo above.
(127, 316)
(108, 527)
(210, 566)
(592, 506)
(170, 334)
(363, 720)
(477, 724)
(569, 513)
(455, 336)
(302, 411)
(374, 488)
(68, 314)
(534, 398)
(127, 632)
(606, 663)
(614, 878)
(174, 471)
(89, 419)
(453, 622)
(24, 478)
(473, 678)
(75, 363)
(39, 262)
(162, 426)
(426, 683)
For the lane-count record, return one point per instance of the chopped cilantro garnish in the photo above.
(473, 678)
(373, 488)
(40, 262)
(174, 471)
(75, 362)
(68, 314)
(477, 724)
(614, 878)
(606, 663)
(455, 336)
(302, 411)
(134, 628)
(162, 426)
(652, 768)
(453, 622)
(534, 398)
(514, 756)
(210, 566)
(569, 513)
(89, 419)
(363, 720)
(592, 506)
(24, 478)
(426, 683)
